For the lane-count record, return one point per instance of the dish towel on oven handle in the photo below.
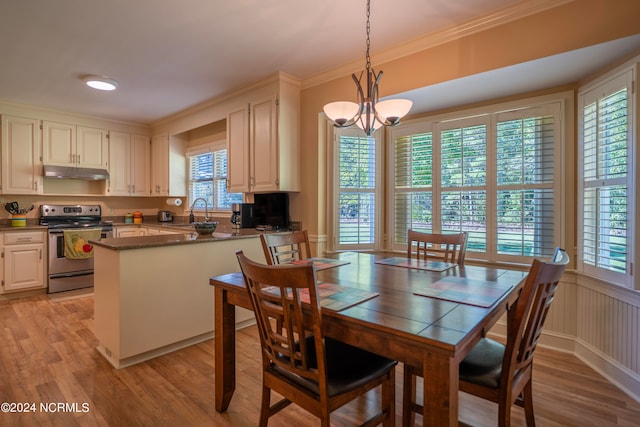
(76, 242)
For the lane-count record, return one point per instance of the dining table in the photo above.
(425, 317)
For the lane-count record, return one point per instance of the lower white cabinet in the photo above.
(129, 231)
(23, 261)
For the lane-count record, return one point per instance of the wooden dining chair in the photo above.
(282, 248)
(317, 373)
(502, 373)
(441, 247)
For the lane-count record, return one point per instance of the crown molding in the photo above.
(431, 40)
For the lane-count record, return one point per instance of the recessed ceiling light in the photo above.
(100, 82)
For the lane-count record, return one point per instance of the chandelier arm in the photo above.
(361, 101)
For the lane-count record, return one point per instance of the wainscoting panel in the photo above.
(609, 323)
(599, 323)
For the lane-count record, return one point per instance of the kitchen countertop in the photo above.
(181, 238)
(29, 227)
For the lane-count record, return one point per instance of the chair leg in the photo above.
(388, 399)
(504, 414)
(265, 406)
(528, 404)
(408, 396)
(325, 419)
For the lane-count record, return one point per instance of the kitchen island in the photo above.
(152, 293)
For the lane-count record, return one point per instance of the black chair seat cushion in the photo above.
(348, 367)
(483, 365)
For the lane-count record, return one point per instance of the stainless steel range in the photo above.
(66, 274)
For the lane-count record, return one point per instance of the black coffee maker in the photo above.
(242, 215)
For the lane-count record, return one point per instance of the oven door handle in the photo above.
(103, 234)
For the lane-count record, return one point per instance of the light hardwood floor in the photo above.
(48, 356)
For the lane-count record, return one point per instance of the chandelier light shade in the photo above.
(100, 82)
(368, 114)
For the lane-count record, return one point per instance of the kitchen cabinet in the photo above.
(168, 166)
(129, 231)
(155, 231)
(21, 156)
(23, 258)
(129, 157)
(263, 144)
(92, 147)
(76, 146)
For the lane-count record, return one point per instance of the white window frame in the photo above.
(199, 150)
(488, 114)
(607, 85)
(333, 183)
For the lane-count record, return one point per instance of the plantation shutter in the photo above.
(463, 176)
(525, 207)
(605, 180)
(208, 177)
(356, 191)
(413, 185)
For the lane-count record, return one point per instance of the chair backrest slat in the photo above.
(441, 247)
(530, 313)
(283, 248)
(287, 309)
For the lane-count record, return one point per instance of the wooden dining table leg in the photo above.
(225, 350)
(440, 390)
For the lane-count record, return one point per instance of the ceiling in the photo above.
(170, 55)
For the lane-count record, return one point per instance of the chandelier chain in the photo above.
(368, 58)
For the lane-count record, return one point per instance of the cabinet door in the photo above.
(238, 151)
(152, 231)
(21, 162)
(160, 165)
(130, 232)
(92, 148)
(264, 146)
(59, 144)
(119, 164)
(140, 159)
(23, 267)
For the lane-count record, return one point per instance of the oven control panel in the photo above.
(70, 210)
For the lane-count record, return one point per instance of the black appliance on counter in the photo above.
(242, 215)
(271, 211)
(66, 274)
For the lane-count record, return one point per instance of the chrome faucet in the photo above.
(206, 210)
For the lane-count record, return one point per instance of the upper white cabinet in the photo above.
(129, 157)
(70, 145)
(168, 166)
(21, 156)
(263, 140)
(92, 147)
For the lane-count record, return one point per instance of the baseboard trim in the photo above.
(621, 377)
(142, 357)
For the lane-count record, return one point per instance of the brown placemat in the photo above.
(419, 264)
(322, 263)
(333, 297)
(466, 291)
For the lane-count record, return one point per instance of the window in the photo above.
(357, 184)
(525, 177)
(494, 175)
(606, 180)
(208, 178)
(463, 181)
(413, 175)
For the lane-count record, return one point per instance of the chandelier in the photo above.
(368, 114)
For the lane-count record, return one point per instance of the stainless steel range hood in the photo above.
(89, 174)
